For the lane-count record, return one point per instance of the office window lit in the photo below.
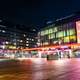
(27, 41)
(32, 39)
(3, 31)
(24, 35)
(21, 41)
(27, 38)
(27, 44)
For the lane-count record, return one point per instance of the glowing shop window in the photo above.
(52, 36)
(60, 34)
(46, 43)
(72, 32)
(66, 39)
(73, 38)
(27, 44)
(51, 30)
(67, 32)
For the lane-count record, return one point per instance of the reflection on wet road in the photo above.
(40, 69)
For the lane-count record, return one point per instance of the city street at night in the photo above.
(40, 69)
(39, 39)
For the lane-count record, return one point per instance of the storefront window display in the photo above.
(66, 39)
(67, 32)
(73, 38)
(52, 36)
(51, 30)
(60, 34)
(72, 31)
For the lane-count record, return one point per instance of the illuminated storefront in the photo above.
(61, 36)
(61, 33)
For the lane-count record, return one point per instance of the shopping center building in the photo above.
(62, 36)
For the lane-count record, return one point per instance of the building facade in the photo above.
(62, 36)
(58, 34)
(13, 38)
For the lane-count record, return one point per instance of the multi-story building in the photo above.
(62, 35)
(11, 37)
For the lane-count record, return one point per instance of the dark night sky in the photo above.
(36, 12)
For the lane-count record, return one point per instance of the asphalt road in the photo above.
(40, 69)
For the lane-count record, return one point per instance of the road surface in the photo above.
(40, 69)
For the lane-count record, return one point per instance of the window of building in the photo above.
(27, 44)
(72, 31)
(52, 36)
(27, 41)
(32, 39)
(51, 30)
(24, 35)
(21, 40)
(3, 31)
(66, 39)
(65, 33)
(27, 38)
(55, 29)
(46, 43)
(38, 44)
(60, 34)
(73, 38)
(46, 32)
(68, 32)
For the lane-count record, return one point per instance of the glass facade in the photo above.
(63, 33)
